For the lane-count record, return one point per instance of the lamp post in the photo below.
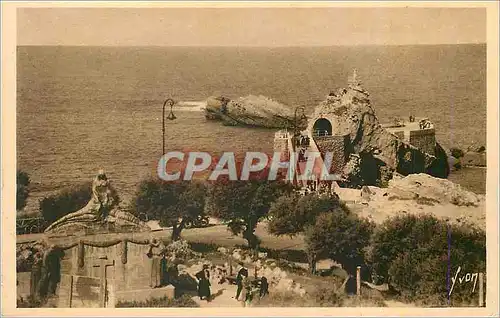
(171, 116)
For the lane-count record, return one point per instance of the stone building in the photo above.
(346, 124)
(418, 132)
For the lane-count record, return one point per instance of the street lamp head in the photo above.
(170, 102)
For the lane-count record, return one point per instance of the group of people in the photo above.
(246, 287)
(302, 141)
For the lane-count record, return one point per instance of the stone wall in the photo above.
(131, 267)
(128, 272)
(23, 285)
(281, 145)
(81, 292)
(338, 145)
(424, 140)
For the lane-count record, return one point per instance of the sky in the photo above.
(249, 26)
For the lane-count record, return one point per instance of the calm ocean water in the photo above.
(83, 108)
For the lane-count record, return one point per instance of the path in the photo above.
(223, 296)
(217, 234)
(395, 303)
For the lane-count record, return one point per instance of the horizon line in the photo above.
(246, 46)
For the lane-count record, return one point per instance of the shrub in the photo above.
(321, 297)
(290, 214)
(31, 302)
(67, 201)
(22, 192)
(200, 247)
(181, 249)
(285, 299)
(172, 203)
(411, 253)
(481, 149)
(457, 153)
(341, 236)
(183, 301)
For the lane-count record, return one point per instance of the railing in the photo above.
(321, 133)
(30, 225)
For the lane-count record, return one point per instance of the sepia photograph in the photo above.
(252, 156)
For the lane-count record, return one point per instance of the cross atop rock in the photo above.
(353, 81)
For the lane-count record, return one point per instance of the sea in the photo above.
(80, 109)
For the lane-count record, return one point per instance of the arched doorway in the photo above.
(322, 127)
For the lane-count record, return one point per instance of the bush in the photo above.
(322, 297)
(290, 214)
(340, 235)
(181, 249)
(65, 202)
(457, 153)
(183, 301)
(22, 192)
(30, 302)
(481, 149)
(172, 203)
(411, 253)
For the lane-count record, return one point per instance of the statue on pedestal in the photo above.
(101, 211)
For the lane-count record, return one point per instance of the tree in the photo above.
(410, 252)
(172, 203)
(290, 214)
(243, 204)
(22, 192)
(66, 201)
(340, 235)
(293, 214)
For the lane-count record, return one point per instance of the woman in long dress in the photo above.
(203, 277)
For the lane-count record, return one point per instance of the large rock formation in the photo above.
(348, 112)
(254, 111)
(417, 194)
(101, 214)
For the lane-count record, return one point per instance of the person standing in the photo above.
(244, 290)
(203, 277)
(164, 270)
(243, 272)
(156, 254)
(264, 287)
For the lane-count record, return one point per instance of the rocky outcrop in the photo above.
(351, 114)
(418, 194)
(253, 111)
(434, 190)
